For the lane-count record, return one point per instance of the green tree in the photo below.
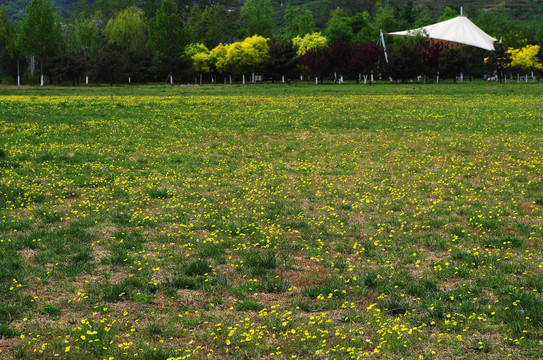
(108, 8)
(498, 23)
(127, 30)
(8, 49)
(406, 15)
(353, 7)
(150, 8)
(338, 29)
(448, 13)
(257, 18)
(81, 36)
(356, 29)
(539, 35)
(81, 11)
(405, 60)
(67, 67)
(109, 65)
(533, 30)
(166, 30)
(87, 34)
(4, 28)
(384, 18)
(209, 25)
(39, 34)
(423, 19)
(183, 7)
(298, 21)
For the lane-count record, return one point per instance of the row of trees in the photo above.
(503, 61)
(156, 40)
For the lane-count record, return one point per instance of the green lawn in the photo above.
(268, 221)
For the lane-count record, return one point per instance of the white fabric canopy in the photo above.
(459, 31)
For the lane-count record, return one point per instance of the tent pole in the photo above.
(384, 46)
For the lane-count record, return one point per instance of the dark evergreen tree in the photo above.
(452, 62)
(405, 60)
(110, 66)
(66, 67)
(282, 60)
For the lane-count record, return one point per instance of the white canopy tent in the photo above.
(456, 32)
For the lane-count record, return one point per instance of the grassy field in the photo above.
(272, 222)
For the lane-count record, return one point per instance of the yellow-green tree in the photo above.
(241, 55)
(255, 49)
(194, 48)
(127, 30)
(230, 58)
(201, 63)
(309, 42)
(525, 58)
(219, 56)
(199, 54)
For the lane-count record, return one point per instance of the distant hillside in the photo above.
(16, 8)
(518, 9)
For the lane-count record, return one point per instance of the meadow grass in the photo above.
(268, 221)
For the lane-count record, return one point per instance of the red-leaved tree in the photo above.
(316, 62)
(365, 59)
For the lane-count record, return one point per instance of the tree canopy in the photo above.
(208, 25)
(39, 33)
(162, 38)
(127, 30)
(525, 58)
(167, 34)
(298, 21)
(309, 42)
(257, 17)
